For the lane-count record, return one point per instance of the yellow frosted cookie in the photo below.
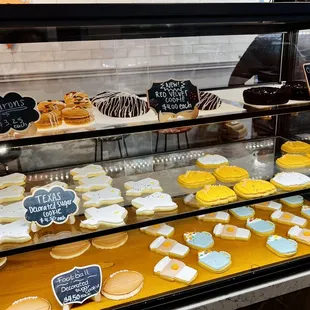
(211, 161)
(230, 174)
(194, 179)
(295, 147)
(190, 200)
(254, 188)
(293, 161)
(289, 181)
(213, 195)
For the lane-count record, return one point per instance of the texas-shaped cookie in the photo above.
(49, 185)
(112, 216)
(94, 183)
(157, 202)
(12, 179)
(87, 171)
(16, 232)
(12, 193)
(12, 212)
(104, 196)
(144, 186)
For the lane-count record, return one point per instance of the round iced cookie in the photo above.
(212, 161)
(305, 211)
(199, 240)
(260, 227)
(293, 201)
(196, 179)
(242, 213)
(281, 246)
(214, 261)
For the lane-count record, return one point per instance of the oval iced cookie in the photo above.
(158, 230)
(293, 161)
(301, 235)
(254, 188)
(230, 174)
(305, 211)
(293, 201)
(199, 240)
(260, 227)
(231, 232)
(212, 161)
(30, 303)
(242, 213)
(169, 247)
(281, 246)
(12, 179)
(215, 217)
(214, 261)
(289, 181)
(87, 172)
(214, 195)
(196, 179)
(295, 147)
(144, 186)
(287, 218)
(110, 241)
(70, 250)
(268, 206)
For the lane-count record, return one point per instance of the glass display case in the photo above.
(153, 155)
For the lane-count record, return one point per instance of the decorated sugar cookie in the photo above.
(295, 147)
(94, 183)
(12, 193)
(111, 216)
(242, 213)
(175, 270)
(230, 174)
(12, 212)
(30, 303)
(158, 230)
(305, 211)
(287, 218)
(214, 261)
(216, 217)
(169, 247)
(289, 181)
(196, 179)
(190, 200)
(104, 196)
(199, 240)
(281, 246)
(293, 161)
(254, 188)
(260, 227)
(87, 172)
(12, 179)
(231, 232)
(157, 202)
(268, 206)
(212, 161)
(16, 232)
(293, 201)
(50, 185)
(301, 235)
(144, 186)
(214, 195)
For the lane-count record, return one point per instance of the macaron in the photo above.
(30, 303)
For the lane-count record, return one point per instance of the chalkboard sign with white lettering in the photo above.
(53, 205)
(307, 75)
(173, 96)
(17, 112)
(77, 285)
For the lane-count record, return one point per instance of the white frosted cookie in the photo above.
(158, 230)
(289, 181)
(16, 232)
(268, 206)
(87, 171)
(12, 179)
(231, 232)
(287, 218)
(216, 217)
(94, 183)
(175, 270)
(12, 193)
(49, 185)
(104, 196)
(169, 247)
(144, 186)
(157, 202)
(212, 161)
(12, 212)
(112, 216)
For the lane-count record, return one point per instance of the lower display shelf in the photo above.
(30, 274)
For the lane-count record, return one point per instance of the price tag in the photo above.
(176, 98)
(17, 112)
(77, 285)
(47, 206)
(307, 75)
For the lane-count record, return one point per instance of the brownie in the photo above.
(299, 90)
(266, 95)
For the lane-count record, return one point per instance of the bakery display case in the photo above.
(143, 166)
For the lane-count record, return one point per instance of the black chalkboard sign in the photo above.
(17, 112)
(77, 285)
(173, 96)
(307, 75)
(47, 206)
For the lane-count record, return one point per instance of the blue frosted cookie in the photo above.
(260, 227)
(293, 201)
(199, 240)
(281, 246)
(214, 261)
(242, 213)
